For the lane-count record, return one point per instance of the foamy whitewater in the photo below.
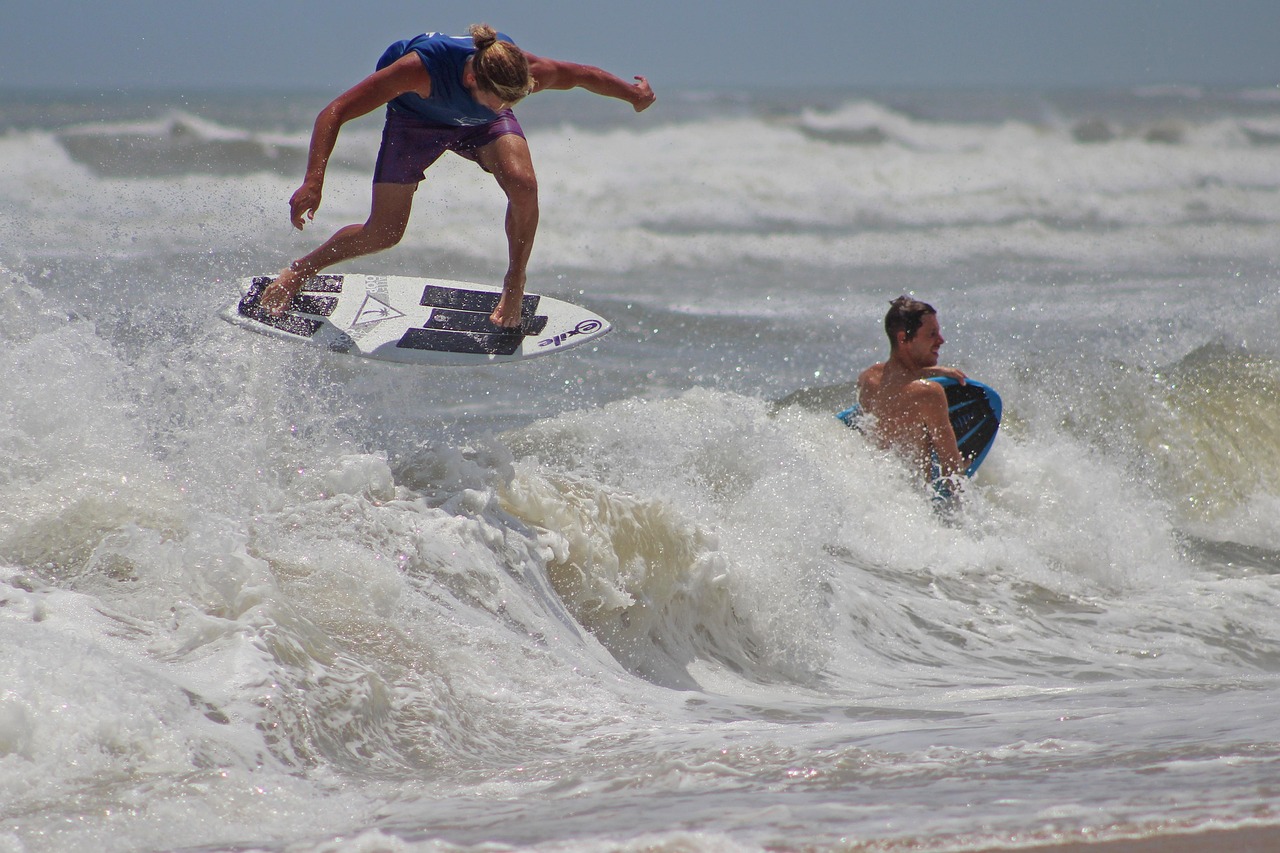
(648, 594)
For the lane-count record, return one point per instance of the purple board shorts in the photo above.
(410, 145)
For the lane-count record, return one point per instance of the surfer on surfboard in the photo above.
(443, 93)
(910, 413)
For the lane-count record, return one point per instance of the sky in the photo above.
(329, 45)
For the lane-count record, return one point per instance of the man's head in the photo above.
(500, 67)
(912, 327)
(905, 315)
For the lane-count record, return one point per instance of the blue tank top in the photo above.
(444, 57)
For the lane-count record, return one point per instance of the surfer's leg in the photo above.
(388, 217)
(508, 158)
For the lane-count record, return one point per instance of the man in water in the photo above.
(443, 93)
(910, 414)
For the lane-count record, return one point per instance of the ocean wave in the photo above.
(1210, 429)
(179, 144)
(857, 184)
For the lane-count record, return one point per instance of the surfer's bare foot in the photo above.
(507, 314)
(278, 296)
(511, 303)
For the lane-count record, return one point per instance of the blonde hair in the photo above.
(500, 67)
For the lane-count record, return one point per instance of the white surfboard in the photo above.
(416, 320)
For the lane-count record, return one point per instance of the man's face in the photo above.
(923, 348)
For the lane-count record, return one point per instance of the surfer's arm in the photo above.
(555, 74)
(938, 429)
(406, 74)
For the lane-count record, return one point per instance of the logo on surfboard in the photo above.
(374, 310)
(585, 327)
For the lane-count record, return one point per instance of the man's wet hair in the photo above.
(905, 315)
(500, 67)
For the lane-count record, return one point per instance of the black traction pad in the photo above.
(448, 320)
(305, 302)
(479, 301)
(472, 343)
(459, 322)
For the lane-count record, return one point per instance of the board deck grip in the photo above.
(471, 343)
(479, 301)
(450, 320)
(320, 306)
(323, 283)
(304, 327)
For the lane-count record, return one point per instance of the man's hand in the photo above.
(950, 372)
(644, 96)
(278, 295)
(304, 203)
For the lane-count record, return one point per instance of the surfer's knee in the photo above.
(389, 215)
(383, 235)
(517, 178)
(387, 239)
(522, 192)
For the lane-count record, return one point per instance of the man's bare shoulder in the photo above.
(924, 385)
(922, 390)
(872, 373)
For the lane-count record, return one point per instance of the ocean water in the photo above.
(649, 594)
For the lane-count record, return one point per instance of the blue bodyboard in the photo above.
(975, 411)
